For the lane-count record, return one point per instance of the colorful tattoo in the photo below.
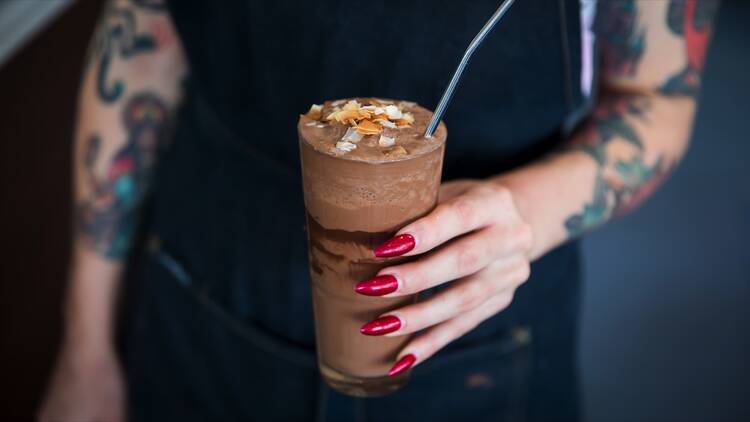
(692, 20)
(117, 37)
(107, 218)
(623, 41)
(608, 122)
(621, 184)
(632, 182)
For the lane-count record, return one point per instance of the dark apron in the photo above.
(218, 321)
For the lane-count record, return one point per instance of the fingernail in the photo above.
(395, 246)
(380, 326)
(378, 286)
(402, 365)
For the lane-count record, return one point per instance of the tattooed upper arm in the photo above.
(657, 46)
(131, 86)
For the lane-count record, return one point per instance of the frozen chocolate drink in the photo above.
(367, 171)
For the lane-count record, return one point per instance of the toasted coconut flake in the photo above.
(338, 103)
(315, 112)
(406, 104)
(381, 101)
(408, 117)
(386, 141)
(386, 123)
(396, 151)
(347, 116)
(374, 109)
(352, 105)
(352, 135)
(311, 124)
(393, 112)
(367, 127)
(345, 146)
(364, 114)
(320, 125)
(332, 114)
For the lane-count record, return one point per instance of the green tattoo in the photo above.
(621, 184)
(632, 183)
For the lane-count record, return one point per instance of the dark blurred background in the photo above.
(665, 327)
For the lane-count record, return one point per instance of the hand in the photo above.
(476, 237)
(86, 386)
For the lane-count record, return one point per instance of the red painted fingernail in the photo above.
(395, 246)
(380, 326)
(378, 286)
(402, 365)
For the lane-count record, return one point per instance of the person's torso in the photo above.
(228, 200)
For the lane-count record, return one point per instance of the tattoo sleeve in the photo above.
(624, 136)
(122, 120)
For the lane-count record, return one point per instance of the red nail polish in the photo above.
(395, 246)
(378, 286)
(402, 365)
(380, 326)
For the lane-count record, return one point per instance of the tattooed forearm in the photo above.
(134, 72)
(108, 215)
(622, 180)
(693, 21)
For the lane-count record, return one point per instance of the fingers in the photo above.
(462, 257)
(427, 344)
(462, 297)
(474, 209)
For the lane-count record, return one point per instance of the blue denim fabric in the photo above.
(188, 359)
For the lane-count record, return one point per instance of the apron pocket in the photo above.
(187, 360)
(487, 382)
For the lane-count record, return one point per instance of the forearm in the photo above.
(129, 90)
(611, 164)
(652, 56)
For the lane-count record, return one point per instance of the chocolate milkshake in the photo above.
(367, 171)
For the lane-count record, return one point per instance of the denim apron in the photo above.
(217, 321)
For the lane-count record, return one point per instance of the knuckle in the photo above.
(465, 304)
(506, 300)
(470, 297)
(502, 195)
(523, 273)
(432, 228)
(466, 213)
(525, 236)
(469, 259)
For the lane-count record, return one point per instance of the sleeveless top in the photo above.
(227, 194)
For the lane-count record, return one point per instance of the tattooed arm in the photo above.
(652, 55)
(488, 231)
(129, 90)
